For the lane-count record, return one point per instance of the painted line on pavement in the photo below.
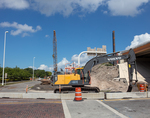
(127, 99)
(117, 99)
(66, 110)
(113, 110)
(37, 91)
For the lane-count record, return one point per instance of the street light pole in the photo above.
(33, 68)
(4, 57)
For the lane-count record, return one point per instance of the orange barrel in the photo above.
(141, 88)
(78, 95)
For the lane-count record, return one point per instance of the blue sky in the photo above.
(78, 24)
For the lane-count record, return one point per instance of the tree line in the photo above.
(17, 74)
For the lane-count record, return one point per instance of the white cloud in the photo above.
(65, 7)
(104, 12)
(46, 35)
(83, 59)
(126, 7)
(20, 28)
(25, 34)
(139, 40)
(32, 67)
(62, 63)
(14, 4)
(45, 67)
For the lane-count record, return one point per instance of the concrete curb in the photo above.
(71, 96)
(11, 95)
(30, 95)
(41, 95)
(90, 96)
(62, 96)
(127, 95)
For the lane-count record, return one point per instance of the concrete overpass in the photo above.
(143, 60)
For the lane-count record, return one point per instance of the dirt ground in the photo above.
(40, 87)
(106, 78)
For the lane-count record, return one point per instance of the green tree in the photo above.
(48, 73)
(30, 70)
(16, 74)
(40, 73)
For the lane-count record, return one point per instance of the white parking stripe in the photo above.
(65, 108)
(113, 110)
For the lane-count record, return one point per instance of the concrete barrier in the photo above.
(148, 94)
(41, 95)
(11, 95)
(127, 95)
(62, 96)
(90, 96)
(30, 95)
(71, 96)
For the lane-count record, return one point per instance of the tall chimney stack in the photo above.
(113, 41)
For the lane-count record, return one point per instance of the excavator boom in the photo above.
(131, 60)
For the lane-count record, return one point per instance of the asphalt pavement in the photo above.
(44, 108)
(20, 87)
(132, 108)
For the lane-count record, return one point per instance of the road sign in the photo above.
(5, 75)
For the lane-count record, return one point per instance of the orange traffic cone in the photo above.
(27, 89)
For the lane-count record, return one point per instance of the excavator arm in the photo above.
(131, 60)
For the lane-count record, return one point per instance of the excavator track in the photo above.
(84, 89)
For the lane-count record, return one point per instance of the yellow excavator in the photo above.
(76, 79)
(81, 76)
(64, 79)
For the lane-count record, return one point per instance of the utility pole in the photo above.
(113, 35)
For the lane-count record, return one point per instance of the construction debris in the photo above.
(106, 78)
(45, 82)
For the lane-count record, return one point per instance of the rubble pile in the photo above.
(107, 78)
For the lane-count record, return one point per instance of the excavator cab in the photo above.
(85, 77)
